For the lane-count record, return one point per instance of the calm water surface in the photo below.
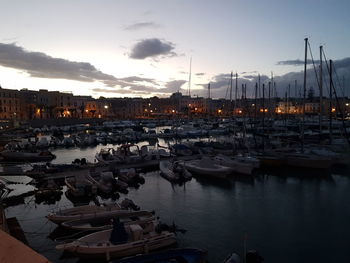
(287, 219)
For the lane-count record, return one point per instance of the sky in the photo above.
(116, 48)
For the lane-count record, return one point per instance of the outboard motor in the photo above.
(129, 204)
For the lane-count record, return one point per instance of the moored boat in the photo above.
(208, 167)
(237, 165)
(174, 171)
(103, 222)
(139, 240)
(18, 156)
(85, 212)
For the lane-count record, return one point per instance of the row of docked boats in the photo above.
(142, 230)
(117, 234)
(130, 153)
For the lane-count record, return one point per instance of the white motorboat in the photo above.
(103, 222)
(208, 167)
(140, 240)
(174, 171)
(85, 212)
(238, 165)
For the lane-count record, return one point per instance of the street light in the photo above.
(106, 106)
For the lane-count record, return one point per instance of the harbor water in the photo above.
(288, 216)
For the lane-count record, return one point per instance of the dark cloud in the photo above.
(248, 72)
(152, 47)
(174, 85)
(40, 65)
(135, 79)
(141, 25)
(200, 74)
(295, 62)
(342, 72)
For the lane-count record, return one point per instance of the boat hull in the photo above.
(106, 250)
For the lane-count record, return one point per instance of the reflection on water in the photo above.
(299, 218)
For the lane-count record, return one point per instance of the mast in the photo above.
(231, 94)
(321, 94)
(304, 95)
(189, 79)
(236, 90)
(255, 100)
(269, 98)
(208, 104)
(231, 88)
(285, 110)
(259, 86)
(330, 99)
(288, 100)
(263, 118)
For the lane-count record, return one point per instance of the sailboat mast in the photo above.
(263, 117)
(236, 90)
(321, 94)
(189, 79)
(231, 92)
(330, 99)
(304, 96)
(255, 100)
(269, 99)
(208, 104)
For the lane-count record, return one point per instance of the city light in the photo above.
(333, 109)
(106, 106)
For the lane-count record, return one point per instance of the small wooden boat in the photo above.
(103, 222)
(184, 255)
(85, 212)
(98, 245)
(208, 167)
(14, 156)
(174, 171)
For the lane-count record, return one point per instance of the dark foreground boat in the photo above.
(44, 156)
(183, 255)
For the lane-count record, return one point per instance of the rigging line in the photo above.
(313, 62)
(334, 83)
(228, 86)
(338, 104)
(342, 88)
